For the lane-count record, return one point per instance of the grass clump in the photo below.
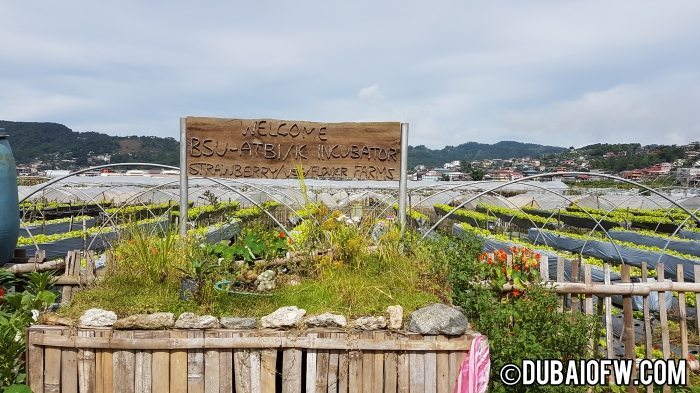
(346, 266)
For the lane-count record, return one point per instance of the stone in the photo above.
(370, 323)
(159, 320)
(283, 317)
(98, 317)
(189, 320)
(238, 323)
(437, 319)
(53, 319)
(395, 317)
(327, 320)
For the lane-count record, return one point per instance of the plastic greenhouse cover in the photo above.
(97, 242)
(684, 246)
(61, 227)
(689, 234)
(597, 274)
(609, 252)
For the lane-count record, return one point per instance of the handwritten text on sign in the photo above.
(273, 149)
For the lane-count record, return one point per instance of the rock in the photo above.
(98, 317)
(188, 286)
(370, 323)
(53, 319)
(238, 323)
(159, 320)
(189, 320)
(395, 317)
(266, 281)
(283, 317)
(437, 319)
(327, 320)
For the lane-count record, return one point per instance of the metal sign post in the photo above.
(184, 203)
(403, 179)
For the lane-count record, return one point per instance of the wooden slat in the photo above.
(663, 318)
(663, 315)
(178, 366)
(443, 368)
(588, 279)
(333, 366)
(99, 375)
(52, 365)
(378, 368)
(268, 370)
(160, 368)
(195, 365)
(647, 315)
(682, 314)
(390, 368)
(226, 367)
(280, 342)
(322, 358)
(123, 366)
(575, 303)
(696, 270)
(430, 361)
(70, 259)
(291, 371)
(403, 384)
(417, 367)
(143, 361)
(69, 370)
(367, 367)
(560, 278)
(453, 367)
(355, 371)
(608, 316)
(255, 371)
(211, 367)
(86, 366)
(343, 367)
(35, 363)
(544, 268)
(107, 366)
(241, 369)
(311, 366)
(628, 320)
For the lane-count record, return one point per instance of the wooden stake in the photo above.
(628, 323)
(608, 316)
(683, 315)
(560, 278)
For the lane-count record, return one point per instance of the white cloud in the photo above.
(371, 93)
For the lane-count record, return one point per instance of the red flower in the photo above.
(2, 293)
(516, 292)
(281, 235)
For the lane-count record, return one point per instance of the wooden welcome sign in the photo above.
(274, 149)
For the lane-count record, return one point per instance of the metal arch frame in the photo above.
(559, 174)
(228, 187)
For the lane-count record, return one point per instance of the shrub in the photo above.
(522, 324)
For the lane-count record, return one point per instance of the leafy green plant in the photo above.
(17, 311)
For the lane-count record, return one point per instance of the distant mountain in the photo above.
(421, 155)
(61, 147)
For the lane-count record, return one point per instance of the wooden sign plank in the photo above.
(273, 149)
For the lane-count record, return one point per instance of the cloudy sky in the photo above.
(553, 72)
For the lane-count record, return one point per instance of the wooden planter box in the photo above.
(61, 359)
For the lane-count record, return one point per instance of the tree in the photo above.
(477, 174)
